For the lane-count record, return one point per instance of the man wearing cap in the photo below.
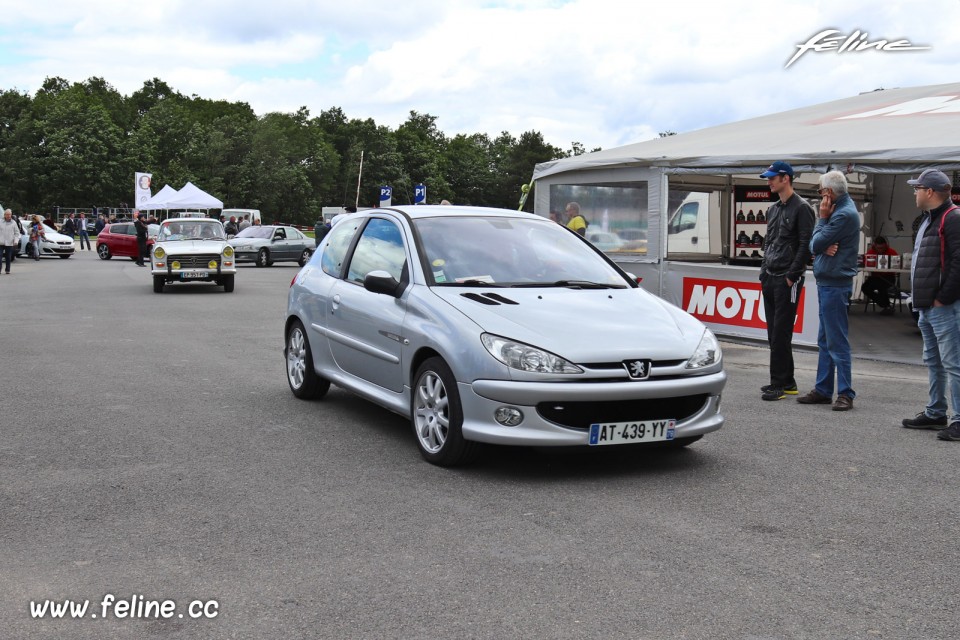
(935, 280)
(786, 252)
(835, 241)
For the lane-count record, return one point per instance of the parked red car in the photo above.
(120, 239)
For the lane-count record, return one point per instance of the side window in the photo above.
(337, 243)
(686, 218)
(125, 229)
(280, 233)
(380, 249)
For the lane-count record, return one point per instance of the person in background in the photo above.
(67, 227)
(37, 236)
(101, 223)
(9, 239)
(244, 223)
(81, 224)
(320, 230)
(877, 285)
(935, 281)
(834, 246)
(231, 228)
(575, 221)
(140, 225)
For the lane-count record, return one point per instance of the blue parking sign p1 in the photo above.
(386, 196)
(420, 194)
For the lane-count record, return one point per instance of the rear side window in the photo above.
(337, 243)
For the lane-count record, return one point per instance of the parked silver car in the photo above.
(483, 325)
(267, 244)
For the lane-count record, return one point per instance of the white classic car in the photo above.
(192, 250)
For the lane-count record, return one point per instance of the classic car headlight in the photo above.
(159, 252)
(175, 264)
(228, 252)
(212, 264)
(525, 357)
(707, 353)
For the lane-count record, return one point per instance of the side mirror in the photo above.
(382, 282)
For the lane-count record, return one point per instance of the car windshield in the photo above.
(256, 232)
(191, 230)
(511, 252)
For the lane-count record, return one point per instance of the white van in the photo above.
(689, 229)
(239, 213)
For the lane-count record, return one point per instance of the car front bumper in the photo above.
(693, 401)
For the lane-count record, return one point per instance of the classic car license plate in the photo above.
(192, 275)
(625, 432)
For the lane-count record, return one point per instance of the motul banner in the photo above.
(730, 302)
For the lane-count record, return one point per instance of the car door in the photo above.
(279, 248)
(298, 242)
(123, 239)
(365, 329)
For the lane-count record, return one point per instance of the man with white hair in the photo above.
(9, 238)
(834, 244)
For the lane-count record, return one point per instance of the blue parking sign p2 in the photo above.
(386, 196)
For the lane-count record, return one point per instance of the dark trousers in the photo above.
(7, 256)
(780, 307)
(877, 288)
(142, 250)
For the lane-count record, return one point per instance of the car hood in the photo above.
(582, 325)
(188, 247)
(53, 236)
(242, 243)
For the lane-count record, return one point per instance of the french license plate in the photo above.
(192, 275)
(626, 432)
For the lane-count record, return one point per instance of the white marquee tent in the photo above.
(188, 197)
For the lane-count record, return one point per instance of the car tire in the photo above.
(263, 258)
(227, 282)
(304, 257)
(104, 252)
(158, 283)
(301, 376)
(437, 416)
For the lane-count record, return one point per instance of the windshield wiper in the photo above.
(472, 282)
(572, 284)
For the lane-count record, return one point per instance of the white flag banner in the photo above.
(141, 189)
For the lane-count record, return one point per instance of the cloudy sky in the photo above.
(600, 72)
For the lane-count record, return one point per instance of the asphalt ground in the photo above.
(150, 448)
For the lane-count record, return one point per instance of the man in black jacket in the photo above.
(786, 253)
(935, 280)
(140, 224)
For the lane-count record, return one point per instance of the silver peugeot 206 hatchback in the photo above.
(484, 325)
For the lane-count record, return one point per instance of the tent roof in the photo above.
(159, 199)
(889, 131)
(193, 197)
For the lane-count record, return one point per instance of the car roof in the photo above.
(436, 210)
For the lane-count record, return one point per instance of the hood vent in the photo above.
(492, 299)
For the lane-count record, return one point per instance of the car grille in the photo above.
(194, 261)
(580, 415)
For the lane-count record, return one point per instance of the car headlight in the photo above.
(525, 357)
(228, 252)
(159, 252)
(708, 352)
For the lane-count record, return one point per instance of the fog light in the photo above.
(212, 264)
(175, 265)
(508, 416)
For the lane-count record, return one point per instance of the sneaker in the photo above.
(843, 403)
(814, 397)
(950, 433)
(923, 421)
(773, 393)
(790, 390)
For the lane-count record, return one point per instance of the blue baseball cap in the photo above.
(778, 168)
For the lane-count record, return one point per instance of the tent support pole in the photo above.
(664, 203)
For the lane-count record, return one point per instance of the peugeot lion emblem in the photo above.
(637, 369)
